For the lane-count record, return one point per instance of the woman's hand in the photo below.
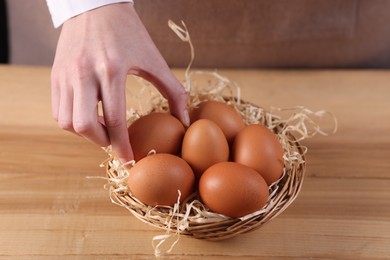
(95, 53)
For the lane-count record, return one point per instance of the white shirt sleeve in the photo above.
(62, 10)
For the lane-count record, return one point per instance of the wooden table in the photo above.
(49, 209)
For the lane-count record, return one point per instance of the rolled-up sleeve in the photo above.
(62, 10)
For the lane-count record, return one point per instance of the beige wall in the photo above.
(32, 36)
(231, 33)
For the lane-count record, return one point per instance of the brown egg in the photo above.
(159, 131)
(258, 147)
(233, 189)
(224, 115)
(156, 179)
(204, 144)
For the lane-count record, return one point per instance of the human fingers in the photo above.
(85, 112)
(55, 96)
(177, 98)
(65, 108)
(114, 113)
(61, 101)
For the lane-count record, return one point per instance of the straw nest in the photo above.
(192, 217)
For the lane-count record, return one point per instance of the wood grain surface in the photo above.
(49, 209)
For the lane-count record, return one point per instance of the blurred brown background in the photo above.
(230, 33)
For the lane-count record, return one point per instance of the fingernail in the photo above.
(186, 118)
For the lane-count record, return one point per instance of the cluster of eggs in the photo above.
(229, 164)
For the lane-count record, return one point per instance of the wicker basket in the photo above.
(192, 218)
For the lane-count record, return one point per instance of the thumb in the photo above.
(171, 89)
